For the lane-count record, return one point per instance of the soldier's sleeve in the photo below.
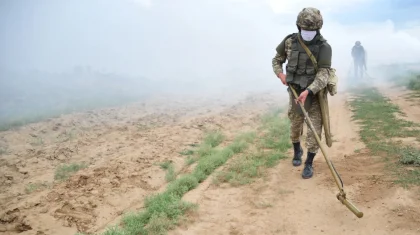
(324, 64)
(280, 57)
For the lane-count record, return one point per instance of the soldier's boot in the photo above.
(298, 152)
(308, 171)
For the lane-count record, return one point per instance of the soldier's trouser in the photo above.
(297, 121)
(358, 69)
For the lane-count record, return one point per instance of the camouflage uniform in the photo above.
(358, 54)
(301, 75)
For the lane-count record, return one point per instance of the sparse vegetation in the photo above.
(410, 156)
(213, 139)
(410, 80)
(65, 171)
(164, 210)
(187, 152)
(32, 187)
(190, 156)
(205, 149)
(190, 160)
(242, 142)
(379, 125)
(207, 164)
(414, 83)
(271, 147)
(238, 146)
(170, 171)
(247, 137)
(165, 165)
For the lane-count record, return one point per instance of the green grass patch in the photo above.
(242, 142)
(409, 80)
(32, 187)
(170, 174)
(214, 138)
(170, 171)
(162, 212)
(207, 147)
(187, 152)
(247, 137)
(271, 146)
(379, 125)
(204, 150)
(65, 171)
(414, 83)
(207, 164)
(245, 169)
(410, 156)
(165, 210)
(190, 160)
(165, 165)
(238, 146)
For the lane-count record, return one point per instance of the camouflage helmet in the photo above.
(309, 19)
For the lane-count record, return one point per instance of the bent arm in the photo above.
(280, 57)
(277, 63)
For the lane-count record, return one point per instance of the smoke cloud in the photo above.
(135, 48)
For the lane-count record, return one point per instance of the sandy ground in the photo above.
(121, 147)
(405, 99)
(284, 203)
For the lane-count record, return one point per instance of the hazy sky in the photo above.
(218, 40)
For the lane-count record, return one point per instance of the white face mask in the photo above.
(307, 35)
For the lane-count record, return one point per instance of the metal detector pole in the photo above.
(341, 196)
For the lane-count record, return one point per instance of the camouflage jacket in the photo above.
(284, 51)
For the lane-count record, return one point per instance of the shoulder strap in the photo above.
(309, 53)
(323, 102)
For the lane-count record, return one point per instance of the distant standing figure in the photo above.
(358, 54)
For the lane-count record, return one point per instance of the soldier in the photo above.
(358, 54)
(303, 76)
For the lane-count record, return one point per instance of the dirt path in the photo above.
(284, 203)
(408, 102)
(404, 98)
